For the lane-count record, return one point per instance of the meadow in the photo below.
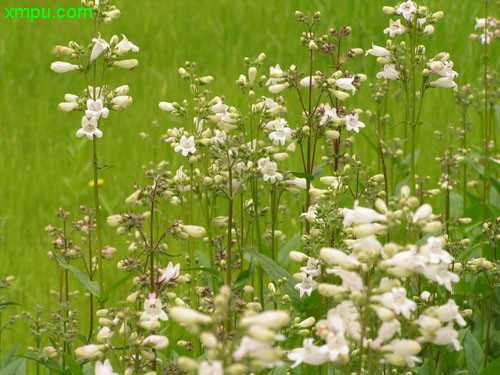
(44, 167)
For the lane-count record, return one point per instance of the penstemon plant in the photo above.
(237, 262)
(93, 60)
(407, 63)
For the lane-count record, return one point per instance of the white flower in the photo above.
(313, 267)
(63, 67)
(122, 101)
(389, 72)
(276, 74)
(434, 253)
(440, 274)
(184, 315)
(311, 214)
(480, 23)
(352, 123)
(125, 46)
(281, 132)
(157, 342)
(269, 170)
(423, 213)
(407, 9)
(104, 368)
(447, 335)
(337, 345)
(186, 146)
(214, 368)
(153, 309)
(395, 28)
(328, 114)
(396, 301)
(449, 313)
(360, 215)
(378, 51)
(95, 108)
(100, 45)
(386, 332)
(171, 273)
(306, 286)
(89, 128)
(220, 136)
(309, 354)
(444, 82)
(346, 84)
(402, 352)
(486, 37)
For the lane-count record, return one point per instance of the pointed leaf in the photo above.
(91, 286)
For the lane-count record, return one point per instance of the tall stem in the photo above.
(486, 122)
(95, 164)
(413, 108)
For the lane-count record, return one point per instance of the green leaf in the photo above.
(276, 272)
(205, 269)
(291, 245)
(492, 369)
(428, 368)
(51, 364)
(88, 369)
(474, 356)
(318, 170)
(307, 176)
(91, 286)
(106, 293)
(244, 276)
(73, 365)
(17, 367)
(9, 357)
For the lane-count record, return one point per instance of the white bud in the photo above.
(63, 67)
(126, 64)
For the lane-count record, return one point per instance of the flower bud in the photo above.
(126, 64)
(63, 67)
(194, 231)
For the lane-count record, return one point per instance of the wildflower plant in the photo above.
(233, 260)
(93, 60)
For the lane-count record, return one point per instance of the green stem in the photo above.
(486, 126)
(95, 164)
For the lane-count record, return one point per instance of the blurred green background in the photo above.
(43, 166)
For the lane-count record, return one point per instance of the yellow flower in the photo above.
(100, 181)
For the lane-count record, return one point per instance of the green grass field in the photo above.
(43, 166)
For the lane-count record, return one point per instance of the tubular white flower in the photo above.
(125, 46)
(100, 45)
(389, 72)
(346, 84)
(378, 51)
